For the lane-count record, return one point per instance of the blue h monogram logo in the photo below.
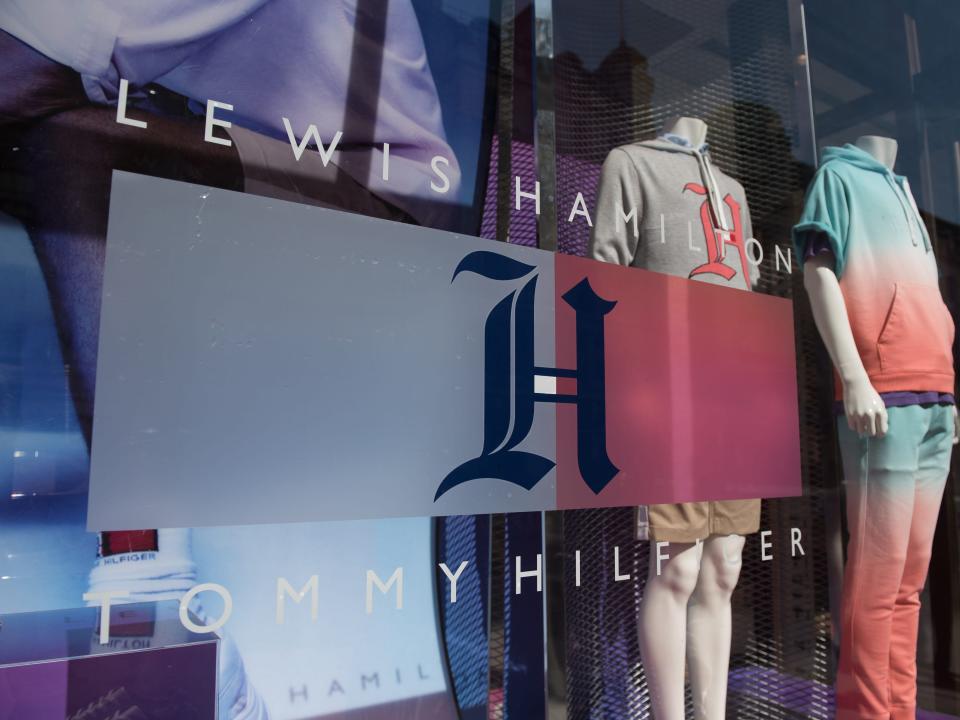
(509, 336)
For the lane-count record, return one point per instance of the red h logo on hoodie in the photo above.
(716, 238)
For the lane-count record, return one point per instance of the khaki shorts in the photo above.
(689, 522)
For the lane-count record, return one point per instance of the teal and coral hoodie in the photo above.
(886, 268)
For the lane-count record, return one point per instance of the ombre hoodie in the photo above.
(886, 268)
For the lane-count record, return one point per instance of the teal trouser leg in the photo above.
(894, 488)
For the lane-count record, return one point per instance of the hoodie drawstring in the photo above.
(901, 188)
(676, 143)
(716, 204)
(912, 212)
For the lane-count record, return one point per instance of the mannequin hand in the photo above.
(866, 414)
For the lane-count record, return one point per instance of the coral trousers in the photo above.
(894, 488)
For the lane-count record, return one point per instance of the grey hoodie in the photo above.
(679, 199)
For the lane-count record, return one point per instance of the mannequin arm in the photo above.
(862, 404)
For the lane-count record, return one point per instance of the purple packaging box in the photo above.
(53, 666)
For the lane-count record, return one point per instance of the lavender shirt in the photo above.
(890, 399)
(270, 59)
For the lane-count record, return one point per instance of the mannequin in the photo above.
(889, 337)
(685, 615)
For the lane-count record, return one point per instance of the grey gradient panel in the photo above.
(265, 362)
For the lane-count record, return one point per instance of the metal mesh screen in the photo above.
(464, 623)
(781, 652)
(728, 63)
(604, 675)
(488, 223)
(499, 623)
(732, 65)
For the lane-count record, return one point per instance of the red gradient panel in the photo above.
(701, 390)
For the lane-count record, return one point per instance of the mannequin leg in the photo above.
(935, 451)
(880, 475)
(663, 627)
(709, 624)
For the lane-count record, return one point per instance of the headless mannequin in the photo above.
(685, 615)
(891, 524)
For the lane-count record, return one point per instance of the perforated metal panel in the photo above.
(464, 624)
(617, 81)
(605, 678)
(731, 64)
(499, 622)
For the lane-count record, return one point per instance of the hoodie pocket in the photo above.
(917, 336)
